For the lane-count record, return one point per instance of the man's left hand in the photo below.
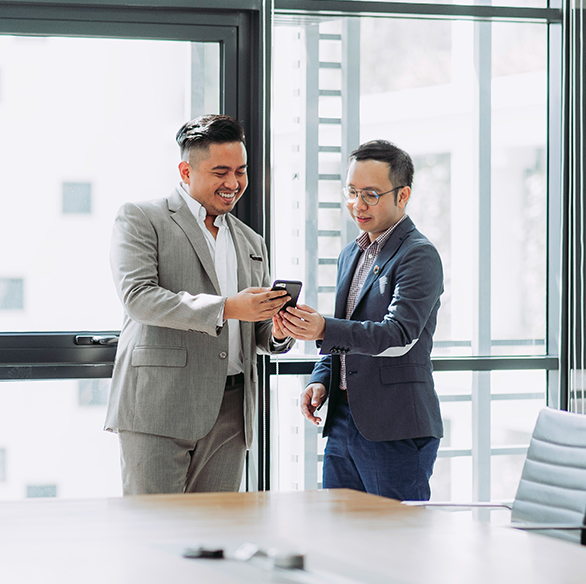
(279, 332)
(304, 323)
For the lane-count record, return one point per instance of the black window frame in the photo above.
(30, 355)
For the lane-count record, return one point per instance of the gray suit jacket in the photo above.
(387, 341)
(172, 358)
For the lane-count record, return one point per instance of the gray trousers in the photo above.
(158, 464)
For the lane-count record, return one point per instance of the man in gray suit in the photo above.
(383, 422)
(194, 283)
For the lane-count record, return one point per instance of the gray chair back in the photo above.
(553, 483)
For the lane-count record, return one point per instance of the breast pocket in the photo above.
(256, 272)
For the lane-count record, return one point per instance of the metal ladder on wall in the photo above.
(325, 166)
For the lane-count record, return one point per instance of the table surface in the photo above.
(346, 536)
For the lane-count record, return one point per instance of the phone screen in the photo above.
(293, 288)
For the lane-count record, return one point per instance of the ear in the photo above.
(185, 171)
(403, 197)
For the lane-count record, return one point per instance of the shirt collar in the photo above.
(363, 240)
(197, 209)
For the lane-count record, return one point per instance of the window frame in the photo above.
(61, 354)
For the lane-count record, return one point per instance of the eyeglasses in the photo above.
(368, 196)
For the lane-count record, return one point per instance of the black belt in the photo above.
(234, 380)
(344, 393)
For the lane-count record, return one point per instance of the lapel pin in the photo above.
(376, 270)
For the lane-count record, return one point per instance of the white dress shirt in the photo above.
(226, 264)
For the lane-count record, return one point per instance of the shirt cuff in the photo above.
(278, 345)
(220, 322)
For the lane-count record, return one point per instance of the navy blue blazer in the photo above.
(387, 341)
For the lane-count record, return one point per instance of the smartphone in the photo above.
(293, 287)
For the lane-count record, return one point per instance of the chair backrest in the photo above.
(553, 483)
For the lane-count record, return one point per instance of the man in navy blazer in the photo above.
(383, 422)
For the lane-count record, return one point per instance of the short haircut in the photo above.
(400, 163)
(208, 129)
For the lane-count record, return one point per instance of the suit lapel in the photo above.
(385, 255)
(181, 214)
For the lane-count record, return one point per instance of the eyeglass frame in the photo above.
(361, 191)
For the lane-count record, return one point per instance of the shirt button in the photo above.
(223, 355)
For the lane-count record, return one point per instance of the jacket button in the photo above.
(223, 355)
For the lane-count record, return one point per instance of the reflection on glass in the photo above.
(85, 124)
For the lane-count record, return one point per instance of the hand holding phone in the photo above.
(292, 287)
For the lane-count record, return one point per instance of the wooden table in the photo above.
(347, 537)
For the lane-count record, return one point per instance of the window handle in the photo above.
(109, 340)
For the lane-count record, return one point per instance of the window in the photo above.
(139, 94)
(469, 101)
(77, 198)
(107, 109)
(33, 491)
(11, 294)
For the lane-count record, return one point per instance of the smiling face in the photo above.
(216, 177)
(374, 175)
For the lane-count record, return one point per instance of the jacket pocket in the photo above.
(159, 357)
(404, 374)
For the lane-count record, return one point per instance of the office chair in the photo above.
(551, 497)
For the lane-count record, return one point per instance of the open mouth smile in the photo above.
(227, 196)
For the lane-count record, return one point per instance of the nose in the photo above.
(359, 203)
(231, 182)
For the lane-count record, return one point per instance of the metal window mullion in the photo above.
(312, 122)
(311, 163)
(567, 218)
(478, 10)
(481, 400)
(573, 205)
(310, 457)
(350, 110)
(580, 163)
(554, 206)
(264, 389)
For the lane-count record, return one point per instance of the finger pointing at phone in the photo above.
(304, 323)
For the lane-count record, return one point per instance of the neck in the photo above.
(209, 223)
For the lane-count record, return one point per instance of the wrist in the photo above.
(322, 331)
(227, 309)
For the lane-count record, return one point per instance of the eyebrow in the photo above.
(221, 167)
(366, 188)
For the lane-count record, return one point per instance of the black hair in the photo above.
(400, 163)
(208, 129)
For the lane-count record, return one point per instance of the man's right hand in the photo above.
(311, 399)
(255, 304)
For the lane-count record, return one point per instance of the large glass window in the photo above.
(86, 124)
(469, 101)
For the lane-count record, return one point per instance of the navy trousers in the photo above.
(399, 469)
